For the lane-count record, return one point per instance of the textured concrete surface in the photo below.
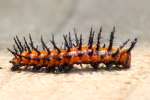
(44, 17)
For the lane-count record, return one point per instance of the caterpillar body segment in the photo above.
(27, 56)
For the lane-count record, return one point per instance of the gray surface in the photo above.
(131, 18)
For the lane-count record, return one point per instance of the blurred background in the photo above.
(21, 17)
(58, 17)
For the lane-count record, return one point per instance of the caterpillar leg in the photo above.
(56, 70)
(47, 69)
(95, 66)
(64, 68)
(109, 66)
(35, 68)
(15, 67)
(68, 68)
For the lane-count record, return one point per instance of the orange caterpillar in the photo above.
(62, 60)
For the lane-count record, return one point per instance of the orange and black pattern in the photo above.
(28, 56)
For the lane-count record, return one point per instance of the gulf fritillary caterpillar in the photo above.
(62, 60)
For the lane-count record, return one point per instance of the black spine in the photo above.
(44, 45)
(76, 37)
(132, 45)
(91, 37)
(26, 44)
(21, 46)
(54, 44)
(18, 46)
(111, 39)
(70, 41)
(66, 42)
(32, 45)
(98, 39)
(80, 44)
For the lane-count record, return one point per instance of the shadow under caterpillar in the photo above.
(28, 56)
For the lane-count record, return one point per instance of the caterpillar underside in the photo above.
(27, 55)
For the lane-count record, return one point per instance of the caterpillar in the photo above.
(28, 56)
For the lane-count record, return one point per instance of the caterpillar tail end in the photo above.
(125, 60)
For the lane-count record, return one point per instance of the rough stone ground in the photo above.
(77, 85)
(131, 18)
